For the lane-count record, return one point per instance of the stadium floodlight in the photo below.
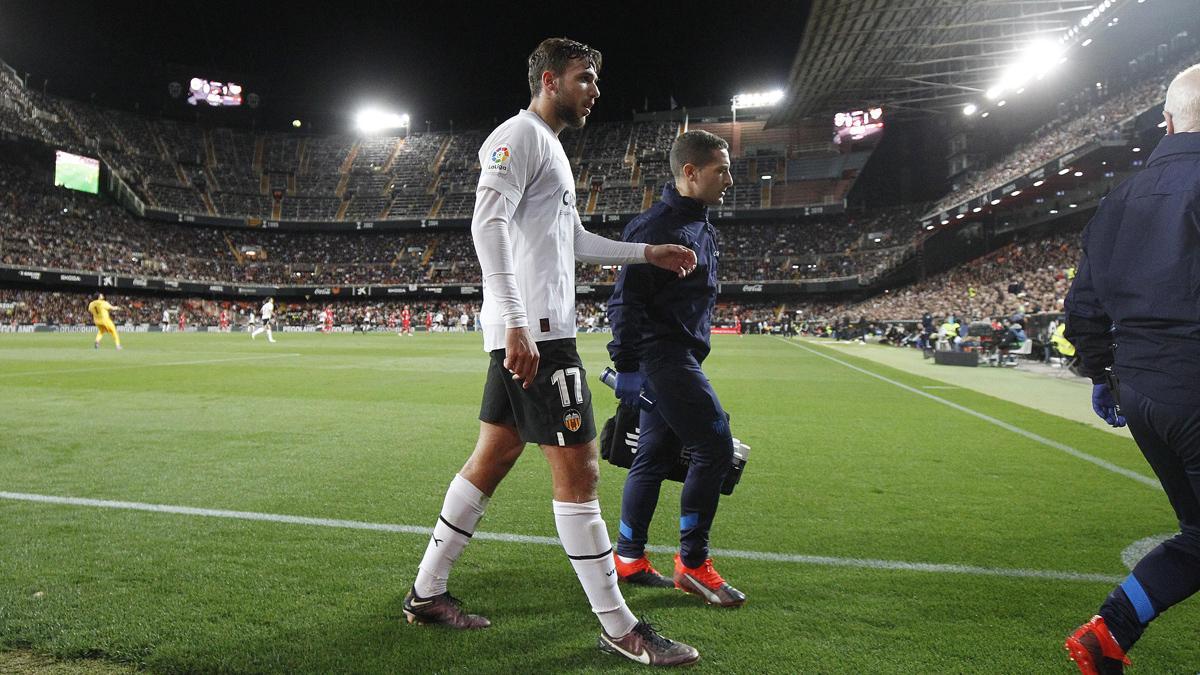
(985, 114)
(1078, 174)
(1039, 183)
(1015, 193)
(1137, 149)
(969, 109)
(1036, 61)
(372, 120)
(1001, 104)
(757, 100)
(995, 202)
(977, 209)
(1063, 172)
(944, 222)
(765, 176)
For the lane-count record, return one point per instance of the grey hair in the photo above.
(1183, 100)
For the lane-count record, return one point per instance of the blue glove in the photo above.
(629, 387)
(1105, 405)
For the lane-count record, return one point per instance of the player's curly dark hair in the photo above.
(554, 54)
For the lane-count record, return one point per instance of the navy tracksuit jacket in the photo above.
(660, 325)
(1135, 306)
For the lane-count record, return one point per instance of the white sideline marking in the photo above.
(1104, 464)
(129, 366)
(828, 561)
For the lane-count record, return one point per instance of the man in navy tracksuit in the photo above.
(1134, 307)
(660, 327)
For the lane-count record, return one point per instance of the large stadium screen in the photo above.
(214, 93)
(76, 172)
(857, 125)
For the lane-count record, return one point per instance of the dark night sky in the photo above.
(438, 60)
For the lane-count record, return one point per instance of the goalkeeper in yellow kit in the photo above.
(99, 309)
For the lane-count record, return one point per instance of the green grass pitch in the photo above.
(844, 467)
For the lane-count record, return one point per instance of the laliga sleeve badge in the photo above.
(572, 420)
(498, 159)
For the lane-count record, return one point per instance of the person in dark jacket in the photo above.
(1133, 314)
(660, 338)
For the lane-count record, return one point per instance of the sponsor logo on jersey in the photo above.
(498, 159)
(572, 420)
(568, 203)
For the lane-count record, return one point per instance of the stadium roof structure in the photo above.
(922, 56)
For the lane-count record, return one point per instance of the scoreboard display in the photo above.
(857, 125)
(214, 93)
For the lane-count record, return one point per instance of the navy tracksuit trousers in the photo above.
(1169, 438)
(686, 407)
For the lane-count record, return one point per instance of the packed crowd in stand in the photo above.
(1083, 120)
(26, 307)
(52, 228)
(55, 228)
(63, 308)
(186, 168)
(1019, 280)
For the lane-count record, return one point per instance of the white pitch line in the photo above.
(130, 366)
(827, 561)
(1104, 464)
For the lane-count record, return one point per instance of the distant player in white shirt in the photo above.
(528, 236)
(166, 320)
(267, 312)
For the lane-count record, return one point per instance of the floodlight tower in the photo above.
(765, 99)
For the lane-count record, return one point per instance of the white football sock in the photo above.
(585, 539)
(461, 511)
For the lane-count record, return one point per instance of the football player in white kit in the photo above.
(267, 312)
(528, 236)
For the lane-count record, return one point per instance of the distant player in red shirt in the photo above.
(391, 321)
(224, 322)
(182, 321)
(327, 317)
(429, 321)
(406, 321)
